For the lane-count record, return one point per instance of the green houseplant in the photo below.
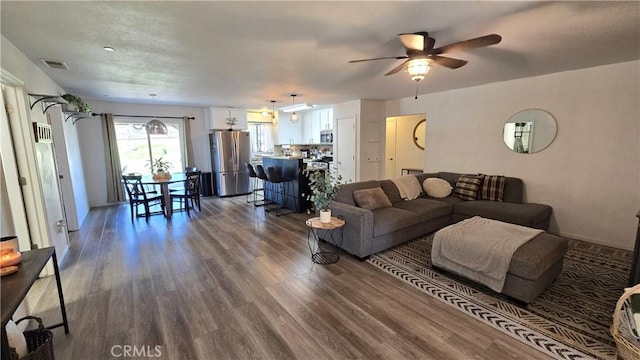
(77, 103)
(323, 190)
(160, 168)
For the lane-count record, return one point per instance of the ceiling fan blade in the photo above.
(469, 44)
(413, 41)
(448, 62)
(380, 58)
(397, 68)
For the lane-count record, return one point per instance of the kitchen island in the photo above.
(289, 167)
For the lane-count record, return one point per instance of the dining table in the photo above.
(164, 188)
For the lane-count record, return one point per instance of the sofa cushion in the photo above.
(513, 190)
(452, 178)
(345, 194)
(537, 255)
(521, 214)
(492, 188)
(451, 200)
(426, 208)
(391, 190)
(437, 188)
(371, 199)
(388, 220)
(467, 187)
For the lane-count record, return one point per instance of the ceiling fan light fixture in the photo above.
(418, 68)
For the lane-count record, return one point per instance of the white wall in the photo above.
(590, 174)
(91, 144)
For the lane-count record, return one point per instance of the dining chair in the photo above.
(180, 186)
(191, 191)
(139, 196)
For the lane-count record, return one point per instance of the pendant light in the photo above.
(273, 111)
(155, 126)
(294, 116)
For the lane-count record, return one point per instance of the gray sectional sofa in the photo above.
(367, 232)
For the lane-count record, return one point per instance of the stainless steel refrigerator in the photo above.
(230, 151)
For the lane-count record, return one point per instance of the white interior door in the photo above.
(390, 149)
(64, 172)
(345, 161)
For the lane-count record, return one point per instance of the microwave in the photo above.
(326, 136)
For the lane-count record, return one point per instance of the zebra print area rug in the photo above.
(569, 320)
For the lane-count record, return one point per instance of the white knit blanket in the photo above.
(408, 186)
(480, 249)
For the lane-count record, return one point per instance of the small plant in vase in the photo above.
(323, 190)
(161, 168)
(231, 121)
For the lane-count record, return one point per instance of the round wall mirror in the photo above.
(419, 133)
(529, 131)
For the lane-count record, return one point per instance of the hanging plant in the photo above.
(77, 103)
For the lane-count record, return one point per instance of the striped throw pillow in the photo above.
(467, 187)
(492, 188)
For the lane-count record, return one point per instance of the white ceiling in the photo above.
(243, 54)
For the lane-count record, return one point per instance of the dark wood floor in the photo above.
(232, 283)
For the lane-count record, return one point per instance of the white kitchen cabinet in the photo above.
(326, 119)
(288, 132)
(314, 135)
(218, 118)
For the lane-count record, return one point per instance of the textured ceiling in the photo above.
(244, 54)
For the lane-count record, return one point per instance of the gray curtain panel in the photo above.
(188, 142)
(115, 191)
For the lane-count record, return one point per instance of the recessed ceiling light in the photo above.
(109, 48)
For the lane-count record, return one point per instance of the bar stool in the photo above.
(262, 175)
(253, 176)
(281, 188)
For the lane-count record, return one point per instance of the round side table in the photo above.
(329, 252)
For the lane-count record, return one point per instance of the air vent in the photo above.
(42, 133)
(55, 64)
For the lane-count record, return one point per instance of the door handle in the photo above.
(61, 225)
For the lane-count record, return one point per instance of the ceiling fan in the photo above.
(421, 54)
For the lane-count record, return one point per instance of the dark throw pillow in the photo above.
(467, 187)
(492, 188)
(371, 199)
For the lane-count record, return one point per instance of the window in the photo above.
(261, 137)
(133, 145)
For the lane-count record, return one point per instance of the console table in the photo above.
(14, 287)
(411, 171)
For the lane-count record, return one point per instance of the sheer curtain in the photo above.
(115, 191)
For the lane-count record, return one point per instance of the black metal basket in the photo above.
(39, 342)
